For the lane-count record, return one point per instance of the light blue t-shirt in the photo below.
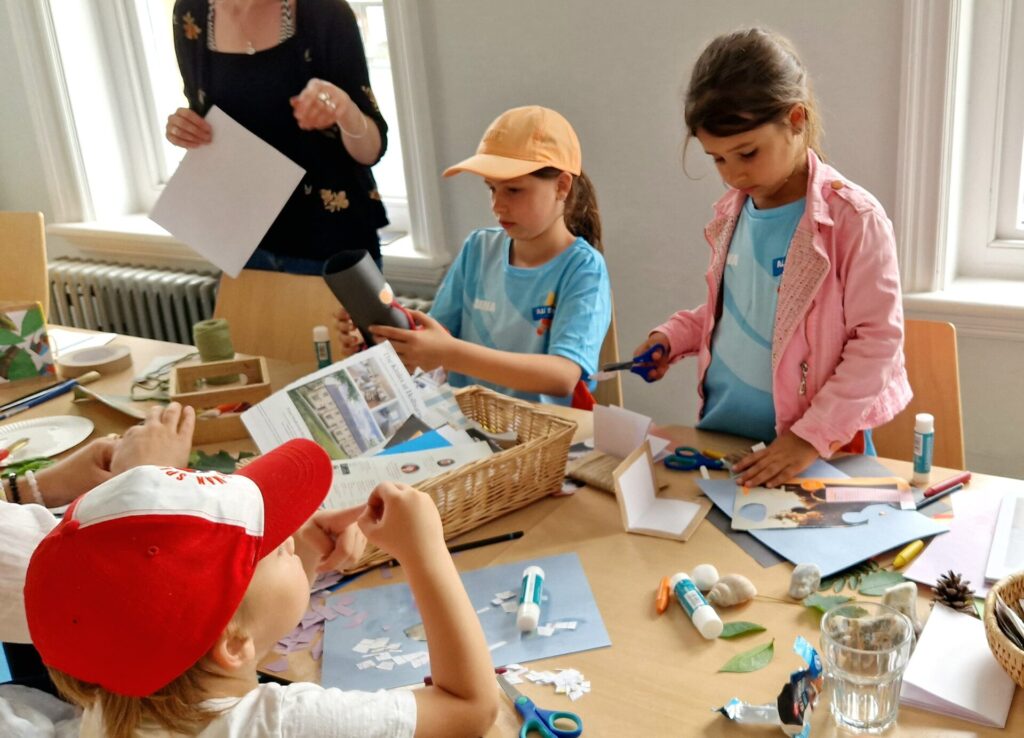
(738, 383)
(561, 308)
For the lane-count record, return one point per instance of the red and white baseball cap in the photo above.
(145, 571)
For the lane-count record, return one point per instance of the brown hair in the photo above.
(745, 79)
(582, 217)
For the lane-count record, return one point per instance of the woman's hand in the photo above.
(188, 129)
(322, 105)
(787, 456)
(349, 337)
(659, 364)
(426, 348)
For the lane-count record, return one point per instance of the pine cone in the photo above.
(954, 592)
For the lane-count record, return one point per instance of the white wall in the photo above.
(616, 70)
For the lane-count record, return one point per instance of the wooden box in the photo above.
(188, 386)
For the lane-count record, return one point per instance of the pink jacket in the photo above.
(837, 346)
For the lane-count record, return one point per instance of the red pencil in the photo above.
(962, 478)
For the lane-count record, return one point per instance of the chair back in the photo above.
(272, 314)
(931, 358)
(23, 242)
(609, 392)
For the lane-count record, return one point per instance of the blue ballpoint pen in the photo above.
(40, 398)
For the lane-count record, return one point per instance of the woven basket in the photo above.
(1008, 655)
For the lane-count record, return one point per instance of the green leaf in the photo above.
(752, 660)
(875, 583)
(8, 338)
(740, 628)
(823, 602)
(840, 583)
(221, 461)
(6, 323)
(22, 366)
(33, 321)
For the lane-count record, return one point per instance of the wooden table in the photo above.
(659, 678)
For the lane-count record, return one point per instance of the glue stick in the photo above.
(528, 615)
(702, 615)
(322, 344)
(924, 443)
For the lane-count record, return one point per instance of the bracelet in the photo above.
(33, 485)
(366, 126)
(12, 480)
(3, 490)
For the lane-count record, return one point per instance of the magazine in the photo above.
(351, 408)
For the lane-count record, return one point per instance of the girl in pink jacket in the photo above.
(800, 342)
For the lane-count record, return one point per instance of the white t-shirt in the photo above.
(22, 527)
(303, 710)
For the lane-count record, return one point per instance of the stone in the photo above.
(805, 581)
(902, 597)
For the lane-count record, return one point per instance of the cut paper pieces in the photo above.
(833, 549)
(965, 548)
(643, 511)
(806, 503)
(567, 600)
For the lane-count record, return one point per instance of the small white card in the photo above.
(224, 196)
(642, 510)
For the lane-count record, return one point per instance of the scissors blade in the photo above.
(617, 366)
(507, 687)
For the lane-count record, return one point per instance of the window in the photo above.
(110, 80)
(961, 179)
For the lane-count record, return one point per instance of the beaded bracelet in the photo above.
(33, 485)
(12, 480)
(3, 490)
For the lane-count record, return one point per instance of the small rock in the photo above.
(903, 598)
(705, 576)
(805, 581)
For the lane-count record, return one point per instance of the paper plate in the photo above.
(46, 436)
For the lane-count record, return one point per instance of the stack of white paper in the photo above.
(953, 671)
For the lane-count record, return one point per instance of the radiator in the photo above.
(136, 301)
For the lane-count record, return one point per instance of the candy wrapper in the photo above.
(792, 710)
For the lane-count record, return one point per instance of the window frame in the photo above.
(417, 260)
(952, 265)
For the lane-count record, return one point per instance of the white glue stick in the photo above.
(322, 346)
(702, 615)
(528, 614)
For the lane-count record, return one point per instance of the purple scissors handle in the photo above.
(643, 364)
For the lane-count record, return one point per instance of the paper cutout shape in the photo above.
(642, 510)
(24, 347)
(808, 502)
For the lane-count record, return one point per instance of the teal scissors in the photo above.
(544, 723)
(687, 458)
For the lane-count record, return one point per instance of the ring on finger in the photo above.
(326, 100)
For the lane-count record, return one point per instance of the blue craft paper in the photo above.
(423, 442)
(832, 549)
(566, 593)
(5, 671)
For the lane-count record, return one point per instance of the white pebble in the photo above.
(705, 576)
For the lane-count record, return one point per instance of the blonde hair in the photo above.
(175, 707)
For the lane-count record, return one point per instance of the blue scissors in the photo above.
(687, 458)
(542, 722)
(640, 365)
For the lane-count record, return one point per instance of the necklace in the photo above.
(287, 25)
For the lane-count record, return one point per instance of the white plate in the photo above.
(46, 436)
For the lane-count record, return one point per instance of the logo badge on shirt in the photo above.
(544, 313)
(778, 264)
(486, 306)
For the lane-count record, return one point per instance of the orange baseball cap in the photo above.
(523, 140)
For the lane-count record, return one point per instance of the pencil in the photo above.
(468, 545)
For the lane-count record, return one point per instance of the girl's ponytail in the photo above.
(582, 217)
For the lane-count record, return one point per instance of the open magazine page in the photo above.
(350, 408)
(354, 479)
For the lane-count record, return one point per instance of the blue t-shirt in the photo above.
(738, 383)
(562, 307)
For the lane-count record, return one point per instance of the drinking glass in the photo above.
(865, 647)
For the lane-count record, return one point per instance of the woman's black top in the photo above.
(336, 205)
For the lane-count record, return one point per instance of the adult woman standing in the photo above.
(294, 73)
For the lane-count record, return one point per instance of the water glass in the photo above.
(865, 647)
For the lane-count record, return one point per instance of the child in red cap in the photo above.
(154, 599)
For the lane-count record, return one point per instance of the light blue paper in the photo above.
(567, 597)
(5, 671)
(833, 549)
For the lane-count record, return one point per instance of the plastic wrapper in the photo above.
(795, 703)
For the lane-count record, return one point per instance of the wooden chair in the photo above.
(609, 392)
(931, 357)
(23, 243)
(272, 314)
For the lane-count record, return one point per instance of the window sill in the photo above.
(982, 308)
(138, 240)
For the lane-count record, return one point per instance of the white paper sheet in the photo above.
(225, 195)
(642, 510)
(953, 672)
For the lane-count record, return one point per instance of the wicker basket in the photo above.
(1007, 654)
